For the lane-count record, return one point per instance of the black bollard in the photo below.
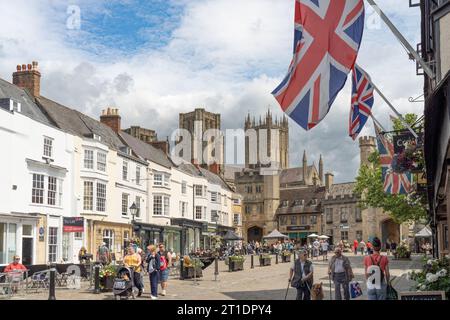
(251, 261)
(229, 265)
(216, 268)
(97, 279)
(181, 269)
(51, 294)
(276, 257)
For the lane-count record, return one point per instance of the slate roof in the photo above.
(342, 189)
(214, 178)
(28, 107)
(146, 151)
(295, 175)
(76, 123)
(304, 193)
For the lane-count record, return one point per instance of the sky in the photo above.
(153, 59)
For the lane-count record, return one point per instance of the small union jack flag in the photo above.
(327, 37)
(362, 101)
(394, 183)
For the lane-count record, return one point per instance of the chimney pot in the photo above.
(29, 67)
(24, 67)
(19, 68)
(35, 65)
(25, 78)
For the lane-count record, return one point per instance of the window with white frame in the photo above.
(37, 193)
(236, 218)
(78, 236)
(158, 179)
(166, 179)
(101, 197)
(125, 197)
(138, 175)
(108, 238)
(214, 216)
(198, 212)
(48, 147)
(101, 161)
(60, 192)
(183, 208)
(213, 196)
(166, 206)
(51, 194)
(157, 205)
(138, 206)
(198, 190)
(52, 244)
(184, 187)
(88, 200)
(125, 171)
(88, 159)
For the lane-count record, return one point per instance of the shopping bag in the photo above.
(391, 293)
(355, 289)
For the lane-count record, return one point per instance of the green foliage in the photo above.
(410, 119)
(237, 258)
(286, 253)
(108, 271)
(435, 276)
(402, 251)
(369, 187)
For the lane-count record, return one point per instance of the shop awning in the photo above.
(231, 236)
(424, 233)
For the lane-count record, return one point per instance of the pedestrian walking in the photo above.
(103, 254)
(153, 265)
(166, 261)
(362, 247)
(381, 264)
(355, 246)
(316, 247)
(325, 250)
(369, 248)
(301, 276)
(340, 271)
(133, 260)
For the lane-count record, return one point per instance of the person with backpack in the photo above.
(166, 262)
(153, 266)
(302, 272)
(380, 263)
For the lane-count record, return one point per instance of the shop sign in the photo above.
(73, 224)
(293, 228)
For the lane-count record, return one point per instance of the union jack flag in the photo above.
(394, 183)
(362, 101)
(326, 42)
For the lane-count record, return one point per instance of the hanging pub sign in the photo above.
(73, 224)
(408, 155)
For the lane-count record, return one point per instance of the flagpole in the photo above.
(392, 108)
(402, 39)
(377, 122)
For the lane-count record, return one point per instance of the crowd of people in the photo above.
(341, 273)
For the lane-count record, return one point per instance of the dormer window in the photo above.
(284, 203)
(97, 137)
(48, 147)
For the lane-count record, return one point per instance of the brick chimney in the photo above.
(214, 168)
(28, 77)
(111, 118)
(328, 180)
(162, 145)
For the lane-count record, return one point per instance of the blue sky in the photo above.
(153, 59)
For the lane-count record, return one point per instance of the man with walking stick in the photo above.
(302, 272)
(341, 272)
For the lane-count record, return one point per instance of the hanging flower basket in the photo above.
(411, 159)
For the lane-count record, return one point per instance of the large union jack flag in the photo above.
(362, 101)
(326, 42)
(394, 183)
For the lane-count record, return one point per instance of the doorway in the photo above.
(254, 234)
(27, 251)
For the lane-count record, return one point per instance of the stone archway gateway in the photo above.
(390, 230)
(254, 234)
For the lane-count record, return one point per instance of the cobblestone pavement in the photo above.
(269, 282)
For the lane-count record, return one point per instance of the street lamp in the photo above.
(133, 210)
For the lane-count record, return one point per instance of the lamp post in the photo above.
(133, 210)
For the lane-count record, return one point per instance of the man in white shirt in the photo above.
(325, 250)
(316, 246)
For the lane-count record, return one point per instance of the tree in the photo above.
(369, 187)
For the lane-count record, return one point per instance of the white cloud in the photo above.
(225, 55)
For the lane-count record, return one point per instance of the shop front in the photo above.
(172, 238)
(191, 233)
(18, 236)
(299, 233)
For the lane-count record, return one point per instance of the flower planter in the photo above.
(264, 261)
(107, 283)
(188, 272)
(236, 265)
(285, 258)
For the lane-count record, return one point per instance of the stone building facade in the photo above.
(264, 131)
(197, 123)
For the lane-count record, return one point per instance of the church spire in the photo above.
(321, 169)
(305, 166)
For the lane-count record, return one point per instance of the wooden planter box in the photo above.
(264, 261)
(236, 265)
(285, 258)
(188, 273)
(107, 283)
